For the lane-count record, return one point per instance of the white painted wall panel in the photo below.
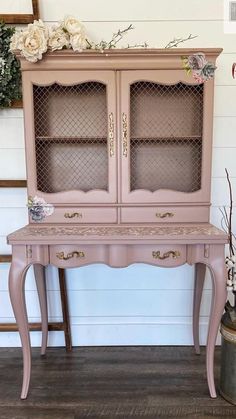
(13, 197)
(223, 74)
(102, 10)
(224, 158)
(158, 34)
(224, 132)
(139, 304)
(12, 132)
(12, 163)
(5, 249)
(220, 191)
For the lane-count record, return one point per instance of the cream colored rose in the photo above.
(39, 25)
(78, 42)
(34, 44)
(72, 25)
(58, 39)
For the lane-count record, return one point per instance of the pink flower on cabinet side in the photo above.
(38, 208)
(197, 65)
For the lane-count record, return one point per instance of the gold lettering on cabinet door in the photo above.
(111, 135)
(124, 135)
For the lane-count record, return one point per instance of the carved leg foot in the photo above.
(219, 295)
(17, 294)
(200, 270)
(39, 272)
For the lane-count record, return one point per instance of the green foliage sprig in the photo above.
(10, 75)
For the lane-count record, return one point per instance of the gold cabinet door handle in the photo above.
(111, 135)
(73, 215)
(156, 254)
(124, 134)
(77, 254)
(164, 214)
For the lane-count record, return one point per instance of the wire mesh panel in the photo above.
(71, 137)
(166, 164)
(166, 136)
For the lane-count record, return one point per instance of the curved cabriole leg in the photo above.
(200, 270)
(40, 279)
(17, 294)
(219, 295)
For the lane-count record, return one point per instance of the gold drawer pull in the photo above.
(111, 135)
(125, 134)
(76, 254)
(174, 253)
(164, 215)
(73, 215)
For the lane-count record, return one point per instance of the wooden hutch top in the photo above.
(125, 58)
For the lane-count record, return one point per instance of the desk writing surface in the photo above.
(62, 233)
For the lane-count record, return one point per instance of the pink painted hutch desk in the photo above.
(118, 156)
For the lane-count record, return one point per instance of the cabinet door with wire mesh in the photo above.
(165, 137)
(74, 144)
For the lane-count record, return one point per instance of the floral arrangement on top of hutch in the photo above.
(118, 153)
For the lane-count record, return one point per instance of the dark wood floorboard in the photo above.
(110, 382)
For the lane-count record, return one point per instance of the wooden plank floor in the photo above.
(110, 382)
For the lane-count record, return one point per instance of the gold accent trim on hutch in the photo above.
(111, 135)
(174, 253)
(73, 215)
(164, 215)
(77, 254)
(125, 134)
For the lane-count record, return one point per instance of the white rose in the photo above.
(33, 43)
(78, 42)
(58, 39)
(40, 26)
(72, 25)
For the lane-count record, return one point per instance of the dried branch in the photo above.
(116, 37)
(224, 226)
(231, 246)
(144, 45)
(176, 41)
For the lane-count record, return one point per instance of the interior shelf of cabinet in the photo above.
(168, 138)
(86, 139)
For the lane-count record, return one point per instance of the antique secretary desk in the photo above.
(118, 150)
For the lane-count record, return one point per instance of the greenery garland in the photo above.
(10, 75)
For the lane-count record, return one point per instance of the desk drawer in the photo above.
(82, 215)
(164, 214)
(72, 256)
(168, 255)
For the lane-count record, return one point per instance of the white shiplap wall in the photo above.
(140, 304)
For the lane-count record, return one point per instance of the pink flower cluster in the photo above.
(197, 65)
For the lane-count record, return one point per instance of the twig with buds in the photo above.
(176, 41)
(116, 38)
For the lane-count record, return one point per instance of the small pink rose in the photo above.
(197, 61)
